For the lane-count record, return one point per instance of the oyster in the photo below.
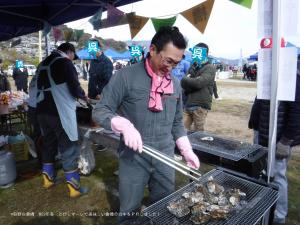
(193, 197)
(200, 218)
(235, 195)
(199, 208)
(234, 199)
(213, 187)
(179, 208)
(219, 214)
(222, 200)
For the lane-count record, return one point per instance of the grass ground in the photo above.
(228, 117)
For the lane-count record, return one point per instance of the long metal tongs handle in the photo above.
(185, 170)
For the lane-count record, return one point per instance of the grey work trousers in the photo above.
(134, 174)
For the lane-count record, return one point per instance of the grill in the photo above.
(260, 198)
(225, 148)
(232, 154)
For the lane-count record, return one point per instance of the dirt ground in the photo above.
(228, 117)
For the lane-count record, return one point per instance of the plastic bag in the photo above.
(86, 161)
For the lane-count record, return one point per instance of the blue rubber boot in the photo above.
(73, 183)
(48, 175)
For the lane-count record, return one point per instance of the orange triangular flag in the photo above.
(136, 23)
(199, 14)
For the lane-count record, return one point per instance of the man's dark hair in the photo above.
(202, 45)
(166, 35)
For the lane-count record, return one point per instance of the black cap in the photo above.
(64, 47)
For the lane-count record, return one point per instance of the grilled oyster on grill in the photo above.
(213, 187)
(193, 197)
(219, 214)
(200, 218)
(199, 208)
(179, 208)
(208, 201)
(235, 195)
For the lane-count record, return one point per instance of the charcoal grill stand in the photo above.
(241, 157)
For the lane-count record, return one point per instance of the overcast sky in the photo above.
(231, 29)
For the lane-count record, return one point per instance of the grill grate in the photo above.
(226, 148)
(259, 199)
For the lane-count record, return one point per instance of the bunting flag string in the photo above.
(136, 23)
(113, 15)
(95, 20)
(245, 3)
(157, 22)
(199, 14)
(57, 34)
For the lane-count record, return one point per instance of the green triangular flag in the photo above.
(157, 23)
(246, 3)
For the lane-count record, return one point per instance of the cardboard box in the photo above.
(20, 150)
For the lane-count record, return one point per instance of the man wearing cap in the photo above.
(198, 86)
(57, 90)
(101, 69)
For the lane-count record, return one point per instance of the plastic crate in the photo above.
(20, 150)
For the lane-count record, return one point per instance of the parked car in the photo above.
(30, 68)
(10, 70)
(79, 70)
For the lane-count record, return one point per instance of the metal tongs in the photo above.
(185, 170)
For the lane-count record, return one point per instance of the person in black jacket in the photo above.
(100, 73)
(57, 90)
(20, 76)
(4, 83)
(288, 136)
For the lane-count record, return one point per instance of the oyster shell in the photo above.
(200, 218)
(213, 187)
(193, 197)
(179, 208)
(219, 214)
(199, 208)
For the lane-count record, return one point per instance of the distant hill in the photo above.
(27, 49)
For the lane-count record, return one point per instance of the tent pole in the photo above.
(47, 44)
(40, 46)
(276, 36)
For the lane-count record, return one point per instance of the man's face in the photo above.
(71, 55)
(165, 60)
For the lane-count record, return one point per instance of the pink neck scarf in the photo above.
(159, 86)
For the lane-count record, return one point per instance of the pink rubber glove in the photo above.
(184, 145)
(132, 137)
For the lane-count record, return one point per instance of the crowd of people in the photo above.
(153, 101)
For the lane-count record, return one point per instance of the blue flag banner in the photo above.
(95, 20)
(199, 54)
(93, 47)
(19, 64)
(135, 50)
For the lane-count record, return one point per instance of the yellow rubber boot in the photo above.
(47, 182)
(48, 175)
(73, 192)
(73, 183)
